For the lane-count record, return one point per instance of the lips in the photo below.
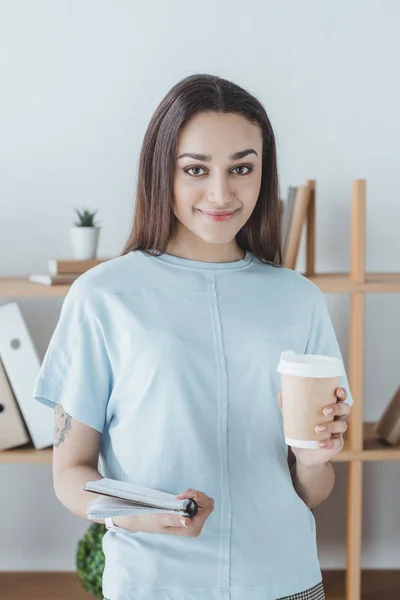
(218, 216)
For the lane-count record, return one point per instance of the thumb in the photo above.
(184, 521)
(168, 520)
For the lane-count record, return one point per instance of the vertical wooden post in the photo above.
(355, 467)
(354, 530)
(310, 249)
(357, 313)
(357, 236)
(356, 381)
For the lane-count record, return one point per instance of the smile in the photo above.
(219, 216)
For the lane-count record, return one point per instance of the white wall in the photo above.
(80, 81)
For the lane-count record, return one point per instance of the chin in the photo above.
(215, 239)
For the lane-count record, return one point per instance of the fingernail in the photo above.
(328, 411)
(322, 445)
(320, 428)
(182, 522)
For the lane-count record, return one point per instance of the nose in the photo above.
(219, 192)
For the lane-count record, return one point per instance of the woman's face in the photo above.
(217, 176)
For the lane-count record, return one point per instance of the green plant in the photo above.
(86, 218)
(90, 559)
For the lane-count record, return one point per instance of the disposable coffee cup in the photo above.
(308, 384)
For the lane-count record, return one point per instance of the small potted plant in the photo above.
(90, 560)
(85, 235)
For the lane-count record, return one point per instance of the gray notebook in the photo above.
(120, 498)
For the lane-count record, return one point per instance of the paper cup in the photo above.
(309, 382)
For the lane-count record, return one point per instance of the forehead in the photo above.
(218, 133)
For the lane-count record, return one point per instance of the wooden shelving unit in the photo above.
(361, 443)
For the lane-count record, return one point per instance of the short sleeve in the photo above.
(76, 371)
(322, 337)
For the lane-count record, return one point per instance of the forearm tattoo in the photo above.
(63, 425)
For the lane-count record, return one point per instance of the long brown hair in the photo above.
(154, 219)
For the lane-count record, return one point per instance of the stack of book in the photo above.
(64, 271)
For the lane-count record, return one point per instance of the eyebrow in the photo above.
(208, 158)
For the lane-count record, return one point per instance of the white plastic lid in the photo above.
(310, 365)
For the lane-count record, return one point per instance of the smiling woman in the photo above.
(164, 365)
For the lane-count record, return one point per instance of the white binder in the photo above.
(12, 427)
(22, 366)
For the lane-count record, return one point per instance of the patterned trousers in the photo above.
(314, 593)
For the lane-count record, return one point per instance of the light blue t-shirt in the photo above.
(174, 362)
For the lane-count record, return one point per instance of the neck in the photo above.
(205, 252)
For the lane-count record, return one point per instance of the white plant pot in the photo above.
(84, 241)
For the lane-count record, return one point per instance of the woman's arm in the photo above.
(75, 459)
(313, 484)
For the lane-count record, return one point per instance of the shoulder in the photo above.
(287, 281)
(117, 276)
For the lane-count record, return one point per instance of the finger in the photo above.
(341, 409)
(343, 417)
(168, 521)
(335, 443)
(333, 427)
(280, 400)
(341, 394)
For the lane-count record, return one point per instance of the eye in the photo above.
(243, 169)
(195, 171)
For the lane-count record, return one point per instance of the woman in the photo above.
(163, 365)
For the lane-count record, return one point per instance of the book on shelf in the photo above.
(48, 279)
(64, 271)
(119, 498)
(287, 214)
(22, 366)
(295, 225)
(388, 426)
(71, 266)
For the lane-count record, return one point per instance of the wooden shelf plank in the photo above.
(330, 283)
(26, 454)
(376, 584)
(15, 287)
(380, 282)
(374, 451)
(340, 283)
(39, 585)
(64, 585)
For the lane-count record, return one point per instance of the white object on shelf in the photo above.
(84, 241)
(22, 366)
